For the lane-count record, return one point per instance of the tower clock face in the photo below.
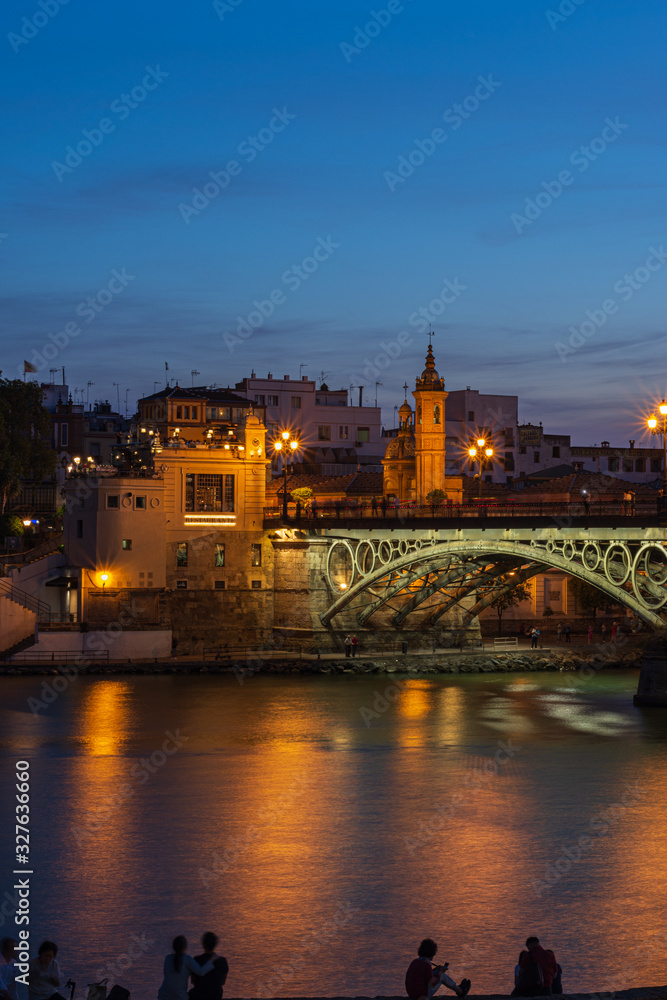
(255, 442)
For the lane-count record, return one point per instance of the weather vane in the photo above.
(431, 334)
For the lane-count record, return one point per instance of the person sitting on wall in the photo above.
(537, 971)
(423, 979)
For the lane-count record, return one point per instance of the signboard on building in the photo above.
(530, 437)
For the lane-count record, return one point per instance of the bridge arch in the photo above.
(633, 573)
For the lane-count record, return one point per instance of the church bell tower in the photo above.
(430, 396)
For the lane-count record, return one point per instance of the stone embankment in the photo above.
(640, 993)
(582, 659)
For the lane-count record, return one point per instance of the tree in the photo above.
(303, 493)
(11, 526)
(508, 598)
(25, 432)
(588, 597)
(436, 498)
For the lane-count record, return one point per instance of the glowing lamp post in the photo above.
(104, 578)
(659, 426)
(480, 451)
(280, 445)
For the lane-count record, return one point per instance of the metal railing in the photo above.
(56, 656)
(27, 601)
(347, 510)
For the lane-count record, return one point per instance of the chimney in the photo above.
(286, 378)
(270, 377)
(361, 395)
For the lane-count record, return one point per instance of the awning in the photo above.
(69, 582)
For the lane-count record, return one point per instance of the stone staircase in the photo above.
(18, 647)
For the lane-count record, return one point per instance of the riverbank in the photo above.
(565, 659)
(640, 993)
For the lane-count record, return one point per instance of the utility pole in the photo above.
(376, 392)
(117, 384)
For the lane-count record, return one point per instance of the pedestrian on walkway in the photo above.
(374, 507)
(590, 634)
(560, 631)
(566, 632)
(348, 644)
(604, 631)
(355, 643)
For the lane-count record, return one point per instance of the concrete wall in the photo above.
(32, 579)
(16, 623)
(135, 645)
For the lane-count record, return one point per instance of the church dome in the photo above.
(402, 446)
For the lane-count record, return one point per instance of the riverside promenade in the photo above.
(640, 993)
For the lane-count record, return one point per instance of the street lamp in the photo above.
(480, 451)
(104, 578)
(660, 427)
(280, 445)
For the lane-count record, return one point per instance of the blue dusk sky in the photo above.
(264, 184)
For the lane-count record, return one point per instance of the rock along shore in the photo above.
(573, 659)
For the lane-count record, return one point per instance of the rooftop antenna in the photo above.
(193, 373)
(376, 392)
(117, 384)
(166, 369)
(52, 372)
(302, 366)
(88, 393)
(155, 382)
(324, 376)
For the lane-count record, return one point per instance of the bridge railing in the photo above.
(486, 507)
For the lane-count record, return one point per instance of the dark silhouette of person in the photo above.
(384, 506)
(209, 987)
(374, 507)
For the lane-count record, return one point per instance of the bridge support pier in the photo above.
(652, 687)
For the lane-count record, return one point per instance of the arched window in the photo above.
(436, 414)
(419, 414)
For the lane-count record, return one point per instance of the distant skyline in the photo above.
(241, 184)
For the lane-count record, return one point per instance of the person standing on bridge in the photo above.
(374, 507)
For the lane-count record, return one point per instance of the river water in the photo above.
(322, 829)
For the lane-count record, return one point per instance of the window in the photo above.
(186, 413)
(127, 544)
(210, 493)
(261, 400)
(95, 449)
(522, 449)
(555, 452)
(471, 416)
(179, 412)
(195, 413)
(140, 503)
(272, 400)
(225, 413)
(509, 461)
(256, 584)
(536, 457)
(343, 433)
(79, 529)
(219, 585)
(627, 465)
(612, 464)
(181, 585)
(655, 465)
(63, 433)
(219, 555)
(182, 554)
(509, 437)
(255, 555)
(113, 501)
(363, 434)
(640, 465)
(324, 434)
(296, 402)
(554, 595)
(436, 414)
(419, 414)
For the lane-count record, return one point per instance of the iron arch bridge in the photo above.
(405, 571)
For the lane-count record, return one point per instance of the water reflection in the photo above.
(311, 835)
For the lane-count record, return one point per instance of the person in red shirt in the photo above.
(423, 978)
(536, 971)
